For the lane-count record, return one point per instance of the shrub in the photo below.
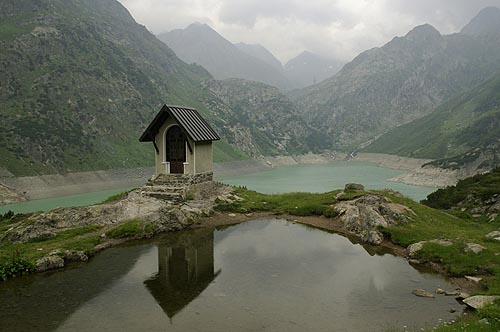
(15, 267)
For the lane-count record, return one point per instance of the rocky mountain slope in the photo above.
(80, 82)
(465, 131)
(478, 195)
(399, 82)
(308, 68)
(263, 114)
(199, 43)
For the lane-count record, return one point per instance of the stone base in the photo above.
(181, 179)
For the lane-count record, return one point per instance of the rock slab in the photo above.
(480, 301)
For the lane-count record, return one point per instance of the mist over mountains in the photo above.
(201, 44)
(82, 80)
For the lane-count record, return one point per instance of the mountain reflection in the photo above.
(185, 269)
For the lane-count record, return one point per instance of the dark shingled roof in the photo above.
(191, 122)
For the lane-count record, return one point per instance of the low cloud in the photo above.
(335, 28)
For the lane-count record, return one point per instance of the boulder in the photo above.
(354, 187)
(414, 248)
(474, 248)
(480, 301)
(50, 262)
(495, 235)
(422, 293)
(363, 216)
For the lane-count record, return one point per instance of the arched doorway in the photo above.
(175, 149)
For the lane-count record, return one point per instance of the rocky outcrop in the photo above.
(164, 215)
(363, 216)
(9, 195)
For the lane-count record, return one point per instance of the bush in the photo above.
(15, 267)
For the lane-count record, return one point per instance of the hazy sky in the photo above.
(337, 28)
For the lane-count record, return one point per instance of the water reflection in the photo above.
(185, 269)
(277, 276)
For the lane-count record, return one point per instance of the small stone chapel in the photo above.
(182, 139)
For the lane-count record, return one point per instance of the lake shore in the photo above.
(18, 189)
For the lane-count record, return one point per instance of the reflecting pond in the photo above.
(263, 275)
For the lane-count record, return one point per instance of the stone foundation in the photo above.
(181, 179)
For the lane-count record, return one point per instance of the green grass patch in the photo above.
(128, 229)
(299, 204)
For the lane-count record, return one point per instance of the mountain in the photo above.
(308, 68)
(487, 22)
(199, 43)
(404, 80)
(80, 82)
(279, 129)
(260, 52)
(465, 131)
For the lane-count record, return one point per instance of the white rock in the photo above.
(493, 235)
(480, 301)
(474, 279)
(474, 248)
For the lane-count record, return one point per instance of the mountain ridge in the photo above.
(201, 44)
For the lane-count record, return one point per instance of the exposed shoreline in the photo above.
(17, 189)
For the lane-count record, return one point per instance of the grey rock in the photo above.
(363, 216)
(354, 187)
(49, 263)
(422, 293)
(474, 248)
(480, 301)
(440, 291)
(75, 256)
(452, 293)
(414, 248)
(494, 235)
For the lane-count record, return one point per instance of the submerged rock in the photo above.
(422, 293)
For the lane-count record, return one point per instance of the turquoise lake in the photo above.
(298, 178)
(326, 177)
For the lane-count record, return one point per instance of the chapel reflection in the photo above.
(185, 269)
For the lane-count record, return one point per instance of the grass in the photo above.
(299, 204)
(131, 228)
(20, 258)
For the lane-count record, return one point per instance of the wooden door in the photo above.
(176, 149)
